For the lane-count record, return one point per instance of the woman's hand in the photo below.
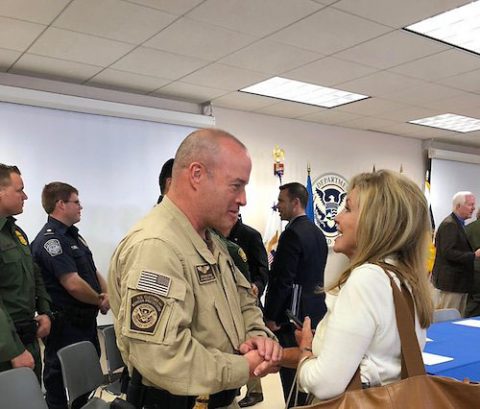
(305, 337)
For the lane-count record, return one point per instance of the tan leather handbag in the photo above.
(416, 389)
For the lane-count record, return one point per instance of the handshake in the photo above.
(264, 355)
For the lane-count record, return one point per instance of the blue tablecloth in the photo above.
(459, 342)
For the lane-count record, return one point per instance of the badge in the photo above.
(53, 247)
(21, 238)
(205, 273)
(145, 310)
(154, 283)
(242, 255)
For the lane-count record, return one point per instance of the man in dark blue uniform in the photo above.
(77, 289)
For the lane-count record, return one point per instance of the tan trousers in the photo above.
(445, 299)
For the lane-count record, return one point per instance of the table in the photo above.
(459, 342)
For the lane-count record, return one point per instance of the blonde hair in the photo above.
(393, 221)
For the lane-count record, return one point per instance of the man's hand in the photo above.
(272, 325)
(104, 304)
(255, 290)
(267, 348)
(254, 360)
(44, 325)
(25, 359)
(477, 253)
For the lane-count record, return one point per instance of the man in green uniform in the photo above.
(187, 323)
(22, 292)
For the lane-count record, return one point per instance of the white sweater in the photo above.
(359, 327)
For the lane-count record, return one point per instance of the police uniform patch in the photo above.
(53, 247)
(154, 282)
(145, 312)
(242, 255)
(205, 273)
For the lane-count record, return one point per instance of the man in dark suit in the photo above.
(473, 301)
(300, 259)
(453, 269)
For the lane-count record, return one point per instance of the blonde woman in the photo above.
(385, 220)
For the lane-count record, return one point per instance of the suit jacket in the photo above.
(453, 267)
(251, 242)
(300, 259)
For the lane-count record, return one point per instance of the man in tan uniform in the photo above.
(186, 320)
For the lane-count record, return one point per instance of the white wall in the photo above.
(327, 148)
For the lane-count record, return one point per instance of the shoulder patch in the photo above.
(145, 312)
(205, 273)
(53, 247)
(154, 283)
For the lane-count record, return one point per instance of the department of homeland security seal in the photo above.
(329, 193)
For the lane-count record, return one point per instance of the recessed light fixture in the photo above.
(458, 27)
(303, 92)
(450, 122)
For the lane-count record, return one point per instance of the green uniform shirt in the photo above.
(22, 291)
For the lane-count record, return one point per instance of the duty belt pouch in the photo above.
(222, 399)
(27, 331)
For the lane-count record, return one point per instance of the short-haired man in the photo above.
(186, 321)
(165, 178)
(77, 289)
(22, 292)
(300, 260)
(453, 267)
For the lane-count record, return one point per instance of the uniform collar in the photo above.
(197, 241)
(7, 220)
(61, 227)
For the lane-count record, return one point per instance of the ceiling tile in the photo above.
(397, 13)
(78, 47)
(469, 81)
(379, 83)
(368, 123)
(270, 57)
(18, 35)
(392, 49)
(444, 64)
(253, 16)
(177, 7)
(465, 104)
(417, 131)
(329, 71)
(224, 77)
(329, 31)
(113, 19)
(7, 58)
(52, 68)
(329, 116)
(408, 114)
(127, 81)
(37, 11)
(423, 94)
(242, 101)
(371, 106)
(156, 63)
(191, 92)
(197, 39)
(287, 109)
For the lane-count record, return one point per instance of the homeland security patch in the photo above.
(205, 273)
(145, 311)
(329, 193)
(53, 247)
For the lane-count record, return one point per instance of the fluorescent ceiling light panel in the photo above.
(450, 122)
(303, 92)
(459, 27)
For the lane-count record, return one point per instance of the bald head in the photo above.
(210, 172)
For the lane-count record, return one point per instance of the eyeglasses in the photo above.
(77, 202)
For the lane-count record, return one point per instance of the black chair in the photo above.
(82, 373)
(19, 388)
(114, 360)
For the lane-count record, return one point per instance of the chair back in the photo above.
(112, 353)
(446, 314)
(81, 369)
(19, 388)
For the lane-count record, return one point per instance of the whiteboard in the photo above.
(447, 178)
(113, 162)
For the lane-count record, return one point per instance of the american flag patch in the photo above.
(154, 283)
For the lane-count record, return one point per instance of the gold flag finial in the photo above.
(308, 168)
(278, 154)
(373, 169)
